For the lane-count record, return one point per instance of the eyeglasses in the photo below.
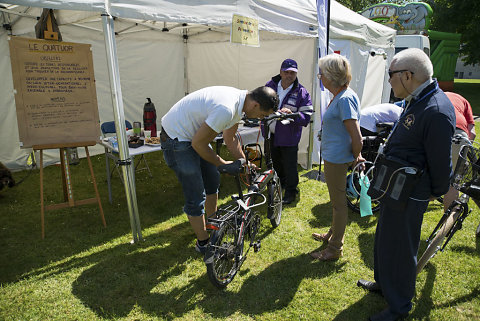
(391, 73)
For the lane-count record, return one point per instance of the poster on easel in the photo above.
(55, 94)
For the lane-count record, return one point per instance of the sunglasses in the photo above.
(391, 73)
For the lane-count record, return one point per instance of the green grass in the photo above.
(470, 89)
(82, 271)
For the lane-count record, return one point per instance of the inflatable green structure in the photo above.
(414, 19)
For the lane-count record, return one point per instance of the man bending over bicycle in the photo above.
(187, 130)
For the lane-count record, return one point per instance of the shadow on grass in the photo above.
(366, 244)
(73, 230)
(466, 249)
(147, 279)
(323, 217)
(424, 302)
(371, 303)
(125, 276)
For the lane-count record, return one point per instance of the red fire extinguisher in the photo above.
(150, 117)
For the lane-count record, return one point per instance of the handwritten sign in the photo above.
(55, 91)
(245, 31)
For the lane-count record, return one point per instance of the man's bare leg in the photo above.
(198, 222)
(198, 226)
(211, 204)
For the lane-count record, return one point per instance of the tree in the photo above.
(358, 5)
(459, 16)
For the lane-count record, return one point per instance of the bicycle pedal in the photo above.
(257, 246)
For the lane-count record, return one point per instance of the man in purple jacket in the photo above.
(293, 97)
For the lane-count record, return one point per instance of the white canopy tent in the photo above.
(164, 66)
(165, 49)
(369, 47)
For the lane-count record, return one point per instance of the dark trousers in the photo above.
(285, 164)
(395, 253)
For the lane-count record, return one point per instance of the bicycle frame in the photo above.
(236, 223)
(462, 203)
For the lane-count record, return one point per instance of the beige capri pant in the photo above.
(336, 176)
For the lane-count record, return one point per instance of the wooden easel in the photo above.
(66, 181)
(49, 34)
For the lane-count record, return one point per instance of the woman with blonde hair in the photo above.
(341, 143)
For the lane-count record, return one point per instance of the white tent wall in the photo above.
(368, 76)
(152, 63)
(249, 67)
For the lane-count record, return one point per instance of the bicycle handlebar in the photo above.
(282, 116)
(276, 115)
(233, 168)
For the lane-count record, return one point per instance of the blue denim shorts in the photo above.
(197, 176)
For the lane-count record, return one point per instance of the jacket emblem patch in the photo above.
(409, 121)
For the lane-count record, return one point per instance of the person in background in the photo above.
(373, 115)
(187, 130)
(293, 97)
(341, 143)
(422, 138)
(465, 127)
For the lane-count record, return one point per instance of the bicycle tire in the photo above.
(435, 244)
(354, 202)
(221, 256)
(274, 210)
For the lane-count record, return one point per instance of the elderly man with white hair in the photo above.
(421, 139)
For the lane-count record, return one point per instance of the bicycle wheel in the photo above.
(274, 211)
(437, 241)
(353, 196)
(221, 256)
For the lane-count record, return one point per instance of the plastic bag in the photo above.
(365, 199)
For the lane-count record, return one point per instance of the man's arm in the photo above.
(437, 144)
(305, 108)
(231, 140)
(200, 143)
(471, 131)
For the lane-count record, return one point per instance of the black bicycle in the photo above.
(466, 180)
(235, 224)
(370, 147)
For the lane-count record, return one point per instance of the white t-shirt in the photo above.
(382, 113)
(218, 106)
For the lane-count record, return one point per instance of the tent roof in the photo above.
(294, 17)
(346, 24)
(291, 17)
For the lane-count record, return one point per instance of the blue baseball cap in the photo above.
(289, 64)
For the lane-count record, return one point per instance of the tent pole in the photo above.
(186, 83)
(119, 117)
(311, 133)
(321, 49)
